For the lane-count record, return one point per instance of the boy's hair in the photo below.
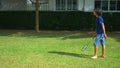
(98, 11)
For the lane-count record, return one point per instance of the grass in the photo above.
(55, 49)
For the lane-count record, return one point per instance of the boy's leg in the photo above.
(96, 46)
(95, 50)
(103, 46)
(103, 51)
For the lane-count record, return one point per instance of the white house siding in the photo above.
(6, 5)
(52, 5)
(44, 7)
(89, 5)
(80, 5)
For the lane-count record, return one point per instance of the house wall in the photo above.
(12, 5)
(52, 5)
(89, 5)
(80, 5)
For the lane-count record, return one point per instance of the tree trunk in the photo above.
(37, 16)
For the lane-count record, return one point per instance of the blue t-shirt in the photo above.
(99, 22)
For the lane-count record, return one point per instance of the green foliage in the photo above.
(60, 20)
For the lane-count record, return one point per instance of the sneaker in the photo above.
(94, 57)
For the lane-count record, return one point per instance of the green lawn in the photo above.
(55, 49)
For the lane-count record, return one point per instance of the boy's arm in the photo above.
(103, 28)
(94, 33)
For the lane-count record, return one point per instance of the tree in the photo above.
(37, 16)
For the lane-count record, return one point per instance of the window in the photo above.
(104, 5)
(108, 5)
(69, 5)
(113, 5)
(60, 4)
(0, 4)
(75, 5)
(118, 5)
(66, 4)
(98, 4)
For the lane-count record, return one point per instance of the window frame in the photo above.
(67, 6)
(109, 6)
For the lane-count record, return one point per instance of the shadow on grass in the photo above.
(63, 35)
(70, 54)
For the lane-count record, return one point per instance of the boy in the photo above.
(100, 33)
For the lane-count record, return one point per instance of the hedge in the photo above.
(60, 20)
